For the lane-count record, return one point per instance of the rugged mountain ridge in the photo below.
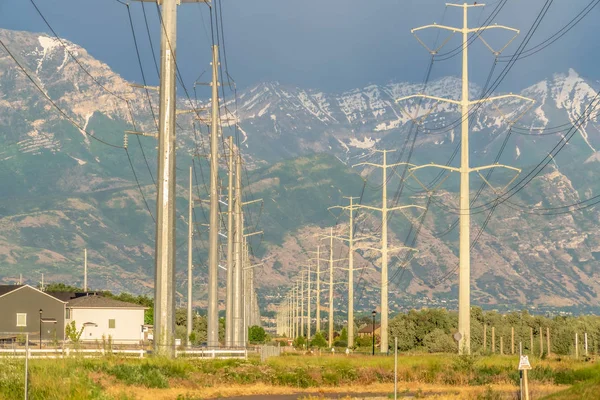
(65, 191)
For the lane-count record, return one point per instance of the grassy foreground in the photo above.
(445, 376)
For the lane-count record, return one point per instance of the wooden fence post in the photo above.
(531, 341)
(512, 340)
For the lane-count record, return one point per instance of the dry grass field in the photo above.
(310, 377)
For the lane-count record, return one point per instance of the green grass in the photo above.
(585, 381)
(79, 379)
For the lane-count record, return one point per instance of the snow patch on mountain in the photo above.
(366, 143)
(353, 105)
(386, 126)
(344, 145)
(593, 158)
(307, 103)
(48, 45)
(324, 105)
(79, 161)
(263, 111)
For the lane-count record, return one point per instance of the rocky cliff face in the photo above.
(64, 191)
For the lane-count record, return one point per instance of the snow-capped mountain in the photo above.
(65, 191)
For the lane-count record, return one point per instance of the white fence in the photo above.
(137, 353)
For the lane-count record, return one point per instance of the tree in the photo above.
(71, 332)
(319, 340)
(405, 331)
(438, 341)
(256, 334)
(61, 287)
(300, 342)
(343, 335)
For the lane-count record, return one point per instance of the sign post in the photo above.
(524, 366)
(396, 368)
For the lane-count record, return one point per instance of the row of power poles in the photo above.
(290, 310)
(289, 315)
(239, 282)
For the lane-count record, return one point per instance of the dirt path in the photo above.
(295, 396)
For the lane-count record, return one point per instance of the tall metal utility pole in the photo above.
(300, 304)
(384, 243)
(85, 285)
(213, 233)
(464, 272)
(331, 236)
(190, 320)
(318, 301)
(294, 314)
(164, 299)
(164, 277)
(351, 207)
(330, 317)
(230, 250)
(246, 281)
(301, 293)
(238, 313)
(308, 298)
(289, 315)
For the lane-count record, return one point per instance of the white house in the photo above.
(105, 317)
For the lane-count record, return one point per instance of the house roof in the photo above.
(369, 328)
(8, 288)
(100, 302)
(64, 296)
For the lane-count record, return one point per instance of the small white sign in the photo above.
(524, 363)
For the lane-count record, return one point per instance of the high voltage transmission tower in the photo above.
(238, 310)
(164, 311)
(464, 300)
(213, 233)
(308, 298)
(164, 298)
(350, 239)
(318, 288)
(190, 261)
(384, 209)
(331, 236)
(230, 249)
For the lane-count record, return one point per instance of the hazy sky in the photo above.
(325, 44)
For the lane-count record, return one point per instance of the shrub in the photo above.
(439, 341)
(319, 341)
(300, 342)
(256, 334)
(143, 375)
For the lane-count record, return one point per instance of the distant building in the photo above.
(100, 317)
(368, 330)
(22, 307)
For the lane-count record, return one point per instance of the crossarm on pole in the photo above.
(426, 96)
(437, 49)
(478, 169)
(504, 96)
(393, 249)
(447, 167)
(405, 207)
(496, 26)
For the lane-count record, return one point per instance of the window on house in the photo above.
(21, 319)
(67, 313)
(111, 324)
